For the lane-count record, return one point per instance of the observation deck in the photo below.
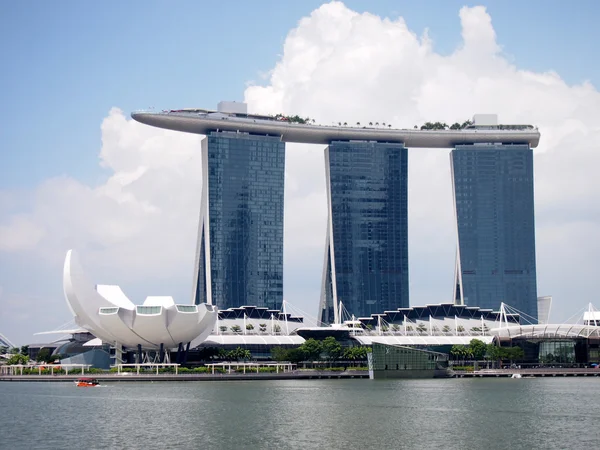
(201, 121)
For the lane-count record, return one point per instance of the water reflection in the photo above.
(335, 414)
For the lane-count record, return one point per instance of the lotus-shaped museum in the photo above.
(108, 314)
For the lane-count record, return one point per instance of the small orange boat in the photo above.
(87, 382)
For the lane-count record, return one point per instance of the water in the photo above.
(548, 413)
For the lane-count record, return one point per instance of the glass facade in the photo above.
(394, 361)
(242, 220)
(493, 194)
(366, 261)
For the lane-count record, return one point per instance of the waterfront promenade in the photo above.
(296, 375)
(538, 372)
(128, 376)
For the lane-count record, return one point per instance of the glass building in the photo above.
(241, 221)
(493, 196)
(396, 361)
(366, 256)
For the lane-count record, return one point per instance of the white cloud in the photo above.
(338, 65)
(20, 233)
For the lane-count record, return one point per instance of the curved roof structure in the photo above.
(108, 314)
(201, 121)
(547, 331)
(252, 339)
(421, 340)
(5, 342)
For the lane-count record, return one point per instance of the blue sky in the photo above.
(66, 64)
(70, 62)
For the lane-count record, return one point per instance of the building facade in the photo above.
(239, 257)
(494, 205)
(366, 257)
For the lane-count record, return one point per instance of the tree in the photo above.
(43, 355)
(236, 328)
(478, 348)
(276, 328)
(3, 350)
(331, 348)
(513, 353)
(492, 352)
(421, 328)
(239, 353)
(356, 353)
(17, 358)
(457, 351)
(249, 327)
(446, 329)
(279, 354)
(312, 349)
(358, 124)
(434, 126)
(295, 355)
(371, 123)
(25, 350)
(345, 123)
(395, 327)
(223, 328)
(262, 327)
(460, 329)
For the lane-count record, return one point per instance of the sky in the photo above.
(77, 172)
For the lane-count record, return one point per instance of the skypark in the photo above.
(233, 117)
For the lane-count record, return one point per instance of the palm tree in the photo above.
(376, 124)
(371, 123)
(358, 124)
(345, 123)
(389, 125)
